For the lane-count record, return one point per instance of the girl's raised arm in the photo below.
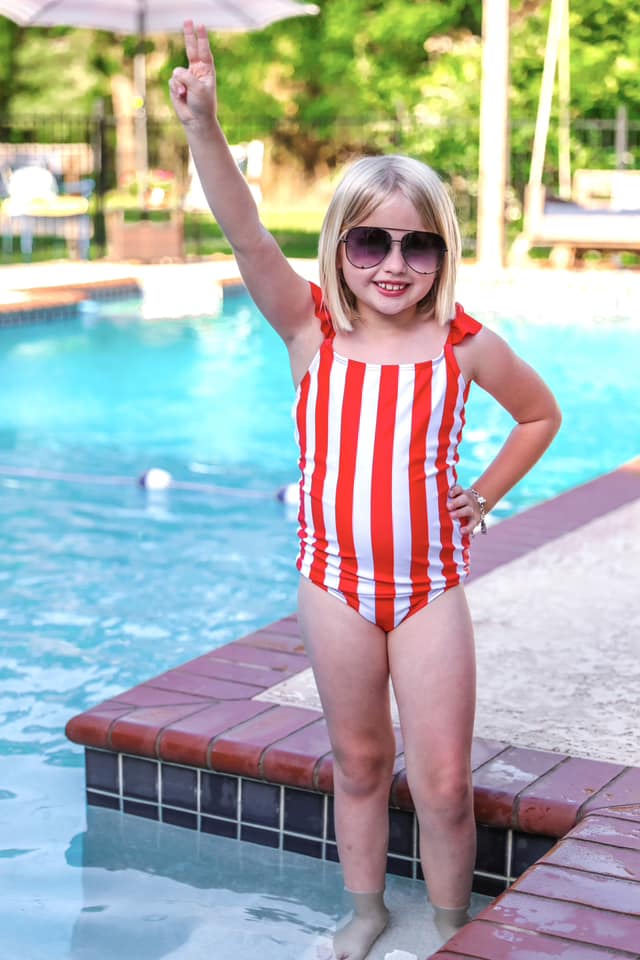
(281, 294)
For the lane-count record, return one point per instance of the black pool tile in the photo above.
(102, 800)
(260, 803)
(147, 810)
(180, 818)
(179, 786)
(303, 812)
(401, 832)
(491, 856)
(331, 827)
(401, 868)
(140, 778)
(331, 853)
(266, 838)
(219, 795)
(221, 828)
(310, 848)
(102, 770)
(489, 886)
(527, 848)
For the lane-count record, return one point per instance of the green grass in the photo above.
(296, 231)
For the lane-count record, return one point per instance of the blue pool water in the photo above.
(103, 585)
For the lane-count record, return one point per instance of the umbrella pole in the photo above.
(142, 163)
(140, 85)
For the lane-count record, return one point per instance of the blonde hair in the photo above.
(366, 184)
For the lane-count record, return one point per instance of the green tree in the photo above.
(319, 80)
(362, 75)
(11, 38)
(604, 44)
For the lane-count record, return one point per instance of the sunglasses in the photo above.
(367, 247)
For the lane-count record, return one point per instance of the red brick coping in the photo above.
(579, 901)
(43, 304)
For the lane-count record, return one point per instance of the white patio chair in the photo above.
(35, 207)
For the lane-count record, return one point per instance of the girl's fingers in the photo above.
(177, 89)
(196, 44)
(456, 498)
(190, 42)
(181, 80)
(203, 46)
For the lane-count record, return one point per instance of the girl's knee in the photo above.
(448, 796)
(360, 772)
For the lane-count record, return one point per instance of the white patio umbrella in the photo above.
(142, 17)
(152, 16)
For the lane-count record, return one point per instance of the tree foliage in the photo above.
(362, 75)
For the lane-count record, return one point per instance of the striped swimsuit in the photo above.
(378, 454)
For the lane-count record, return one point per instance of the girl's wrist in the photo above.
(204, 129)
(482, 508)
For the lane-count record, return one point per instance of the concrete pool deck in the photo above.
(178, 289)
(569, 677)
(234, 742)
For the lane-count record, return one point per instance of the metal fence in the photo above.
(82, 152)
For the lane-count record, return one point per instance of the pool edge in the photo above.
(201, 716)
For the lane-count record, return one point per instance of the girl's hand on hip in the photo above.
(193, 90)
(463, 506)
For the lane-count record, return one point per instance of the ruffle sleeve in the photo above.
(322, 313)
(462, 326)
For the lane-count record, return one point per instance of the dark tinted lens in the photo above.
(423, 252)
(367, 246)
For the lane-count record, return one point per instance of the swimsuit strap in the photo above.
(321, 311)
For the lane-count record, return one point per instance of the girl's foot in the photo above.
(449, 921)
(370, 917)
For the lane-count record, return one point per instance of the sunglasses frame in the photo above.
(390, 240)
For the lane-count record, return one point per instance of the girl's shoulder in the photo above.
(462, 326)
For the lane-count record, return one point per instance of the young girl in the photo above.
(382, 358)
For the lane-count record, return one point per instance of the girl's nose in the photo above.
(394, 261)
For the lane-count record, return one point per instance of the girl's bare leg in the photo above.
(432, 663)
(349, 659)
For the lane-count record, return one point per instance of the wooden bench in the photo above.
(603, 215)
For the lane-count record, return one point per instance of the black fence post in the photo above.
(98, 137)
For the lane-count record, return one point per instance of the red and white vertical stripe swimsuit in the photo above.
(378, 454)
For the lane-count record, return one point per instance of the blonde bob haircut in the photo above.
(365, 185)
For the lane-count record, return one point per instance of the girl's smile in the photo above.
(391, 289)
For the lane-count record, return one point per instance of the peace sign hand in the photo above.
(193, 90)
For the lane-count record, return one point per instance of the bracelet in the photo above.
(482, 503)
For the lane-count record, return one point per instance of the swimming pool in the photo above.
(104, 585)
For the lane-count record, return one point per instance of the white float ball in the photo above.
(156, 479)
(289, 494)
